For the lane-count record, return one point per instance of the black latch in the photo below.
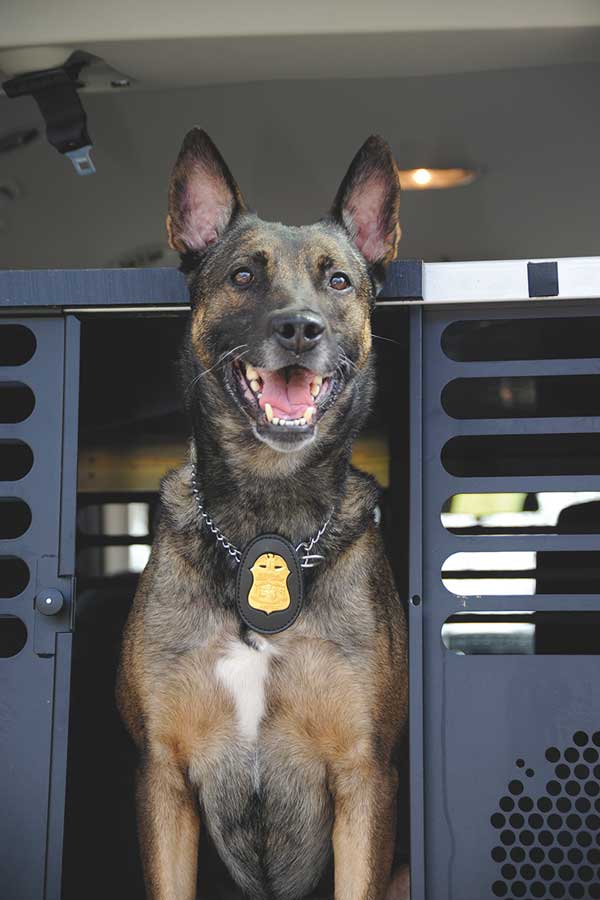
(404, 281)
(55, 92)
(542, 278)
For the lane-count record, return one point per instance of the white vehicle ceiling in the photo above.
(288, 92)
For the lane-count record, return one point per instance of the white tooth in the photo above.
(275, 420)
(318, 379)
(314, 390)
(302, 421)
(269, 412)
(308, 413)
(255, 386)
(251, 373)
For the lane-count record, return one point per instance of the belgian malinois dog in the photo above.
(275, 746)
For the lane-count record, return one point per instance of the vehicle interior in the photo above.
(507, 94)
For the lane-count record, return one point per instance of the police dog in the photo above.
(278, 751)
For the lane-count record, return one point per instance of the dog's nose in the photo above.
(297, 331)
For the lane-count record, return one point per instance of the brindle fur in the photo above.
(320, 779)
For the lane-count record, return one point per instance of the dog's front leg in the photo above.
(363, 832)
(168, 826)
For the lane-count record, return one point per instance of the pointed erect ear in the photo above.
(368, 202)
(203, 196)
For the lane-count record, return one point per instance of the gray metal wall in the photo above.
(38, 468)
(489, 731)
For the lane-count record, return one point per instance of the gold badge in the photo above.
(269, 591)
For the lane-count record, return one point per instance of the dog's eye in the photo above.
(339, 281)
(242, 277)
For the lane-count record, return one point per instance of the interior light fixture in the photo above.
(435, 179)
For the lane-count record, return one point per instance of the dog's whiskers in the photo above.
(221, 360)
(346, 362)
(390, 340)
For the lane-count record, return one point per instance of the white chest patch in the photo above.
(244, 671)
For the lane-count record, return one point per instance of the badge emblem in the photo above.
(269, 585)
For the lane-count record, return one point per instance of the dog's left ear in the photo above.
(367, 204)
(203, 195)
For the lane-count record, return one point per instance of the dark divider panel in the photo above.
(505, 730)
(39, 372)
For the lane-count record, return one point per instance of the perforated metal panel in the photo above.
(38, 440)
(505, 776)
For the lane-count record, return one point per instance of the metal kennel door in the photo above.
(504, 748)
(39, 383)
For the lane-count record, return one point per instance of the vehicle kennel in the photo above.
(486, 439)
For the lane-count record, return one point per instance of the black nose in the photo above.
(297, 331)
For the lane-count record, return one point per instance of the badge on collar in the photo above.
(269, 584)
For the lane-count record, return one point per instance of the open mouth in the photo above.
(285, 401)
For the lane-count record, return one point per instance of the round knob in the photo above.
(49, 602)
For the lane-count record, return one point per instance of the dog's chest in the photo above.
(243, 671)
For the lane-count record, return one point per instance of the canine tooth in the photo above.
(255, 386)
(318, 379)
(269, 412)
(251, 373)
(308, 414)
(275, 420)
(314, 389)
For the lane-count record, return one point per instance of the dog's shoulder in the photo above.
(176, 510)
(362, 490)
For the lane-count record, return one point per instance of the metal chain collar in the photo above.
(307, 559)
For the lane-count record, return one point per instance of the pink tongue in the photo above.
(288, 399)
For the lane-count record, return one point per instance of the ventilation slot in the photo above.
(513, 573)
(508, 633)
(552, 512)
(16, 460)
(556, 338)
(522, 454)
(15, 518)
(13, 636)
(16, 402)
(14, 576)
(17, 345)
(522, 397)
(548, 829)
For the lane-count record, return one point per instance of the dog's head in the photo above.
(280, 335)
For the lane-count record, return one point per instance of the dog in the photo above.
(269, 731)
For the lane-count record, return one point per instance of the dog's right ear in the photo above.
(203, 195)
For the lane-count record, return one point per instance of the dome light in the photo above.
(435, 179)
